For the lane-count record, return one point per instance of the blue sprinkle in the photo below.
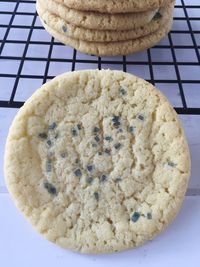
(122, 91)
(64, 28)
(90, 168)
(135, 217)
(115, 118)
(107, 151)
(97, 139)
(171, 164)
(131, 129)
(50, 188)
(43, 135)
(96, 130)
(96, 195)
(103, 178)
(48, 165)
(94, 145)
(79, 126)
(78, 172)
(149, 216)
(117, 146)
(74, 132)
(52, 126)
(49, 143)
(89, 180)
(116, 122)
(108, 138)
(157, 16)
(63, 155)
(140, 117)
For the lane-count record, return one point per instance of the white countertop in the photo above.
(179, 245)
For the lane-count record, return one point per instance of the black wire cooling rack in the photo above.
(174, 64)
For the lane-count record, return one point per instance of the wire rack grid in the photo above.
(29, 57)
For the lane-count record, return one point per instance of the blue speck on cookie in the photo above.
(135, 217)
(78, 172)
(50, 188)
(64, 28)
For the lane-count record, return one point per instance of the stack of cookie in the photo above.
(107, 27)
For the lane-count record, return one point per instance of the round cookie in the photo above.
(114, 6)
(112, 48)
(97, 161)
(69, 30)
(98, 21)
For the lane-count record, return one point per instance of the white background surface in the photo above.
(179, 245)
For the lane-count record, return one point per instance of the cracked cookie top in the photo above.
(97, 161)
(114, 6)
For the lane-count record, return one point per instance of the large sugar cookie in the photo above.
(97, 161)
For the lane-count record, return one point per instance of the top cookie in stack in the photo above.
(107, 27)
